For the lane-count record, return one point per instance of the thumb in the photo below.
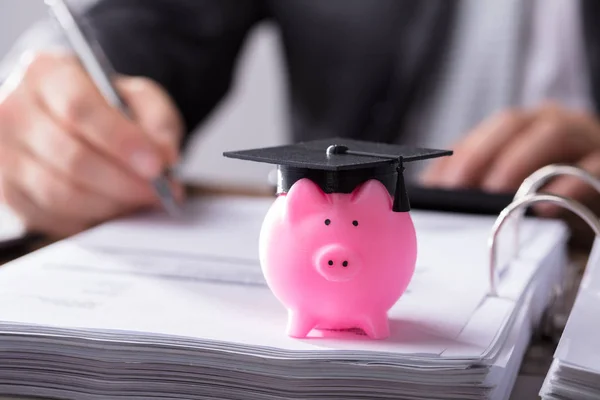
(154, 110)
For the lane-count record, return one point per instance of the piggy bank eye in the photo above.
(355, 223)
(327, 221)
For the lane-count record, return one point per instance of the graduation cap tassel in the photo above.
(401, 203)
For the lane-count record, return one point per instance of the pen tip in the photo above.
(167, 199)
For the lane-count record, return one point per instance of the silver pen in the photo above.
(100, 70)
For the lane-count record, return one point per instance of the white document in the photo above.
(149, 274)
(191, 294)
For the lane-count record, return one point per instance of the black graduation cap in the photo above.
(339, 165)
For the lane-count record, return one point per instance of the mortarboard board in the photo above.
(339, 165)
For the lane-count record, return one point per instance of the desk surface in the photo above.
(539, 354)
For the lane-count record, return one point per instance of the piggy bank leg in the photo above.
(376, 326)
(300, 324)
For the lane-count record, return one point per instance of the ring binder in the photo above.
(576, 207)
(472, 345)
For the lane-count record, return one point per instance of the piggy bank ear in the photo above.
(372, 194)
(304, 198)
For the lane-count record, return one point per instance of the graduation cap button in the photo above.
(336, 149)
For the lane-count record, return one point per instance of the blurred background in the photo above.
(254, 110)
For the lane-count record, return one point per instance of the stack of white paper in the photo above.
(575, 371)
(146, 308)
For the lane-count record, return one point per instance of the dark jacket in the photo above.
(355, 67)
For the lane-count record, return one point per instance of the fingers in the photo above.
(71, 97)
(48, 176)
(51, 191)
(549, 140)
(71, 158)
(154, 110)
(474, 156)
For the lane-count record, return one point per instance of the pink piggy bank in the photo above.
(337, 261)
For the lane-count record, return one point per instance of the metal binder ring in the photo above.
(539, 178)
(536, 180)
(572, 205)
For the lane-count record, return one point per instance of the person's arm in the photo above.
(70, 160)
(187, 46)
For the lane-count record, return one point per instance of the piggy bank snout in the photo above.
(337, 263)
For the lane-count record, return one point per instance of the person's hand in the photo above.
(68, 160)
(500, 153)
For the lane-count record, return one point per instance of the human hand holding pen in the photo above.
(68, 159)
